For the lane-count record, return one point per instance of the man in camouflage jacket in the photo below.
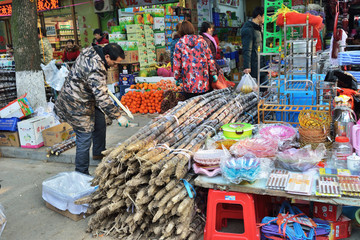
(83, 100)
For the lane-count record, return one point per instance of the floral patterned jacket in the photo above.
(193, 64)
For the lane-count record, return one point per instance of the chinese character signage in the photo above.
(138, 3)
(42, 5)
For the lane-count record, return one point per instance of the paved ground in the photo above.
(20, 192)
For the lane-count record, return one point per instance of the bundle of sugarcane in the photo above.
(59, 148)
(141, 192)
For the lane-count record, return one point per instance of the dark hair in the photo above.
(70, 41)
(187, 28)
(114, 51)
(205, 26)
(98, 31)
(43, 31)
(258, 11)
(178, 27)
(9, 46)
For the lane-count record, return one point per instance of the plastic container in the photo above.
(63, 189)
(342, 149)
(353, 162)
(355, 131)
(237, 130)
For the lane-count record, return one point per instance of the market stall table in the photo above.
(259, 187)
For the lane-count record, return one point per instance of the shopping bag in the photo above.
(53, 76)
(292, 224)
(247, 84)
(222, 82)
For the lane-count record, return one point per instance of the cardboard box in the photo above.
(66, 213)
(327, 211)
(10, 139)
(160, 39)
(112, 75)
(30, 131)
(152, 51)
(341, 228)
(130, 57)
(236, 77)
(57, 134)
(150, 36)
(134, 28)
(126, 79)
(159, 24)
(150, 43)
(159, 52)
(113, 38)
(19, 108)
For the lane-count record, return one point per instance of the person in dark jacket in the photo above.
(84, 99)
(251, 36)
(174, 41)
(71, 51)
(100, 37)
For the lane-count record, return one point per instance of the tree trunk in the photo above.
(29, 76)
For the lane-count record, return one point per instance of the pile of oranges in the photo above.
(144, 86)
(163, 85)
(168, 85)
(143, 102)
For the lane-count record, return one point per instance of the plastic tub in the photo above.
(63, 189)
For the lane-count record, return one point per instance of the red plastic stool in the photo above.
(215, 222)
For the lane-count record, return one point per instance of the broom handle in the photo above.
(126, 110)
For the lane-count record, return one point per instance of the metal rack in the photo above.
(7, 80)
(293, 56)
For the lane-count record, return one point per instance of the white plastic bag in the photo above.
(2, 219)
(53, 76)
(247, 84)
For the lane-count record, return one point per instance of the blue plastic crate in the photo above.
(9, 124)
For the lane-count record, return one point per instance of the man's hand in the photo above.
(123, 121)
(215, 78)
(247, 70)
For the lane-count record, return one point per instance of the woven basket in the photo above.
(309, 135)
(314, 119)
(328, 145)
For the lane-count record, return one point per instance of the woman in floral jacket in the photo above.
(193, 62)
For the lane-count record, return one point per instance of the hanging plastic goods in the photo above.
(284, 133)
(300, 160)
(2, 219)
(342, 149)
(238, 169)
(260, 147)
(247, 84)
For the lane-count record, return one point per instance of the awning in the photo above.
(42, 5)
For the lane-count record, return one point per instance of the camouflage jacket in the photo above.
(84, 88)
(45, 49)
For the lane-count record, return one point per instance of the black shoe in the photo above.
(98, 157)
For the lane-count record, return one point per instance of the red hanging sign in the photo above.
(42, 5)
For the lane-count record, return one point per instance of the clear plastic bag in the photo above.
(239, 169)
(247, 84)
(260, 147)
(300, 160)
(53, 76)
(2, 219)
(285, 134)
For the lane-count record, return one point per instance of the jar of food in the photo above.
(342, 149)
